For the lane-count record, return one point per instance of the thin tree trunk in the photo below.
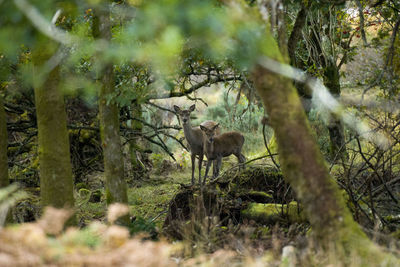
(134, 144)
(304, 168)
(361, 16)
(56, 181)
(116, 189)
(335, 127)
(4, 179)
(294, 38)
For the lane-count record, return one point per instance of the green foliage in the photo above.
(9, 196)
(157, 160)
(140, 225)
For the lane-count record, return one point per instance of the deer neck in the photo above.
(209, 148)
(189, 133)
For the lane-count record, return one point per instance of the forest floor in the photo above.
(148, 198)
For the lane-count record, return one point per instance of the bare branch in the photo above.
(195, 87)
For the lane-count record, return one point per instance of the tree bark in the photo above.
(56, 182)
(4, 179)
(137, 126)
(294, 38)
(335, 126)
(116, 189)
(304, 168)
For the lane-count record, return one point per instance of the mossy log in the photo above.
(228, 199)
(271, 213)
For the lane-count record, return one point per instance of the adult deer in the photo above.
(218, 146)
(194, 137)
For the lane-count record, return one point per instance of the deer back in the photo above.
(228, 143)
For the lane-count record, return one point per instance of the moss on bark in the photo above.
(56, 182)
(335, 126)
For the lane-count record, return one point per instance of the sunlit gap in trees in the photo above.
(326, 102)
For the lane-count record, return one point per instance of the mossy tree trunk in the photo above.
(331, 78)
(116, 189)
(305, 169)
(335, 126)
(4, 181)
(56, 180)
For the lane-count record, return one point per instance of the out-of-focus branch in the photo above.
(44, 26)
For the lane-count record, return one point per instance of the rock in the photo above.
(288, 257)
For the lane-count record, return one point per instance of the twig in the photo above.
(269, 152)
(376, 172)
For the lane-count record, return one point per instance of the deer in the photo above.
(194, 137)
(218, 146)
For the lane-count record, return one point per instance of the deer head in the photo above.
(184, 115)
(210, 133)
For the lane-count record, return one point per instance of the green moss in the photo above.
(83, 192)
(149, 201)
(109, 197)
(272, 213)
(79, 186)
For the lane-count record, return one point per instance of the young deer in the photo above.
(224, 145)
(194, 137)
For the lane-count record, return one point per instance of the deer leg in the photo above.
(218, 168)
(214, 168)
(200, 163)
(207, 169)
(243, 160)
(193, 156)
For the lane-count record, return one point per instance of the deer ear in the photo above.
(177, 109)
(215, 126)
(203, 128)
(192, 107)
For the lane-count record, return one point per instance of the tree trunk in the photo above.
(56, 182)
(3, 147)
(116, 189)
(134, 144)
(335, 127)
(4, 180)
(304, 168)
